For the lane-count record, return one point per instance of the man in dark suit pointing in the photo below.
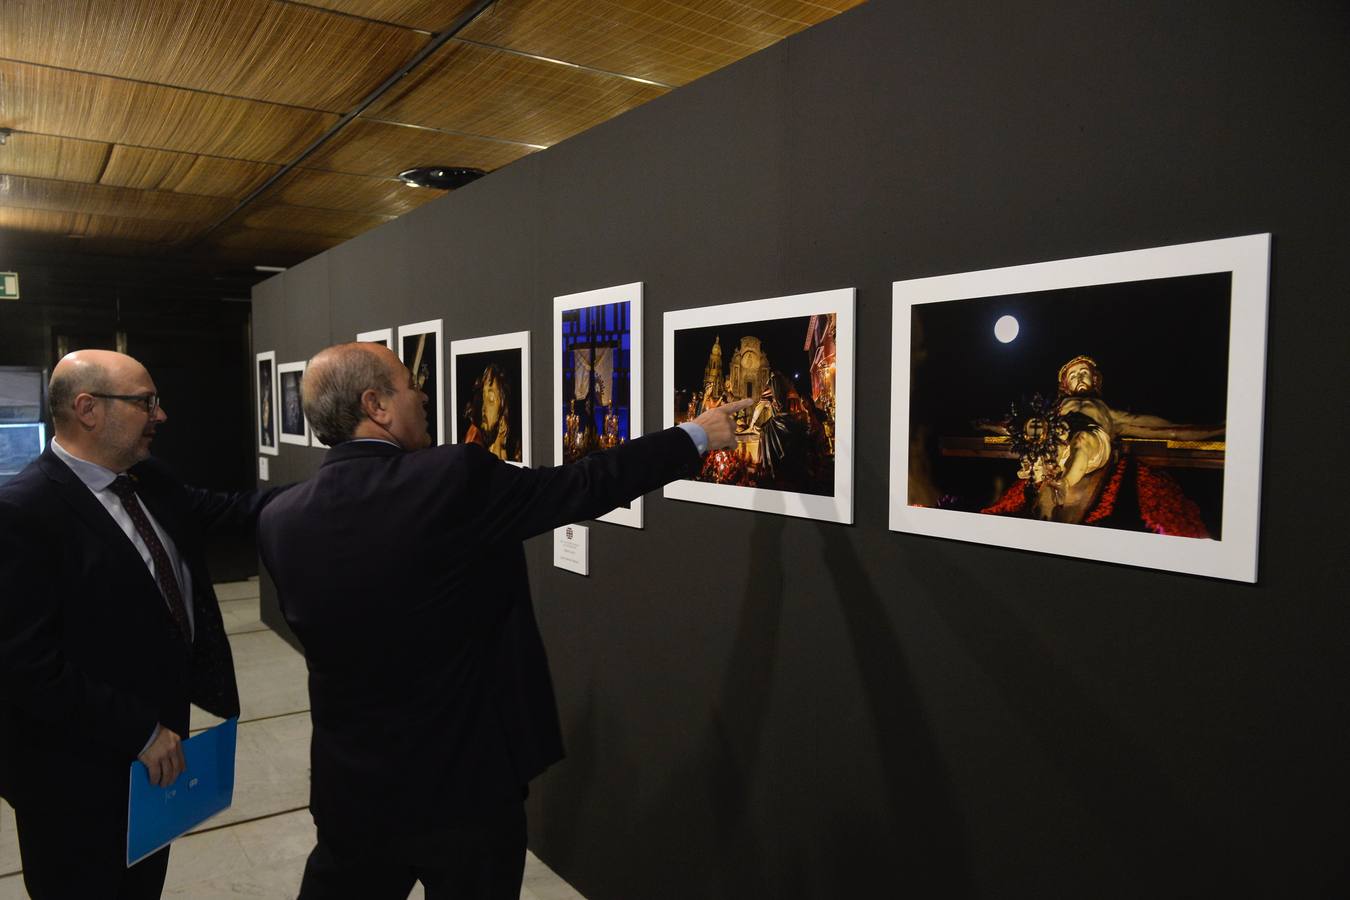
(400, 568)
(109, 627)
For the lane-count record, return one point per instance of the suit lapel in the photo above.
(82, 500)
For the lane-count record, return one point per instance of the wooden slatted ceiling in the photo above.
(98, 108)
(141, 124)
(326, 222)
(269, 247)
(379, 149)
(669, 41)
(353, 193)
(427, 15)
(43, 156)
(184, 173)
(258, 49)
(69, 196)
(148, 232)
(472, 89)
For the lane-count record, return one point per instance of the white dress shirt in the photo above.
(99, 481)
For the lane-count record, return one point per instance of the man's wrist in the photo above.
(696, 434)
(154, 734)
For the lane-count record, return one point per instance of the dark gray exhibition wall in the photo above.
(764, 707)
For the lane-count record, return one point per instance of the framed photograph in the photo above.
(794, 357)
(294, 427)
(419, 348)
(597, 378)
(266, 405)
(1105, 407)
(379, 336)
(490, 394)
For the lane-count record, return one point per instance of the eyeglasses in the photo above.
(147, 402)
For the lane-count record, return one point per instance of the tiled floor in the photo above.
(257, 848)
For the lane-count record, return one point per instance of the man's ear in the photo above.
(84, 409)
(373, 405)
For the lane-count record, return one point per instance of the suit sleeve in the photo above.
(516, 503)
(219, 512)
(34, 673)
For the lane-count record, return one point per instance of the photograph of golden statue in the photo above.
(785, 440)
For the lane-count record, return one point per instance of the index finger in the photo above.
(737, 405)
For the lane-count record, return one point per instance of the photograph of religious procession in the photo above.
(793, 357)
(266, 407)
(597, 378)
(420, 349)
(490, 394)
(1107, 407)
(294, 426)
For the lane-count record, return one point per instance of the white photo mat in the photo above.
(268, 359)
(433, 327)
(518, 340)
(835, 508)
(290, 437)
(379, 336)
(1235, 555)
(625, 293)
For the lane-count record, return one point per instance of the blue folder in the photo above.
(157, 815)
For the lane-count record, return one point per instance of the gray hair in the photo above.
(332, 386)
(81, 378)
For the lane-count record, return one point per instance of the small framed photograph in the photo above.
(420, 349)
(490, 394)
(793, 356)
(379, 336)
(597, 378)
(266, 405)
(294, 427)
(1105, 407)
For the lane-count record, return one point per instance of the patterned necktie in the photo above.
(125, 489)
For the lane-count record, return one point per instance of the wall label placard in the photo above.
(571, 548)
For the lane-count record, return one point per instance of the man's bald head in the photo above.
(87, 372)
(105, 408)
(333, 384)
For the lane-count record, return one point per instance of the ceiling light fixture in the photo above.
(444, 177)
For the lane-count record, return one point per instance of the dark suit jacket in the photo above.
(90, 657)
(403, 576)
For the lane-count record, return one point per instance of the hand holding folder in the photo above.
(158, 815)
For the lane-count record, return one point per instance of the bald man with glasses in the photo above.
(109, 627)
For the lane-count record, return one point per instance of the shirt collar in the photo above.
(94, 476)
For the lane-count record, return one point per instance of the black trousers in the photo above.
(484, 860)
(69, 859)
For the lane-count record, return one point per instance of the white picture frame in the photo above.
(267, 422)
(513, 350)
(288, 392)
(1234, 274)
(379, 336)
(568, 311)
(836, 506)
(434, 358)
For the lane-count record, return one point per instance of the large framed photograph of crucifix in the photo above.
(490, 394)
(1106, 407)
(294, 425)
(421, 349)
(266, 405)
(597, 378)
(793, 356)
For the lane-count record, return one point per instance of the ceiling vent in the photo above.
(443, 177)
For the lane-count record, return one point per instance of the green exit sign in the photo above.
(9, 285)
